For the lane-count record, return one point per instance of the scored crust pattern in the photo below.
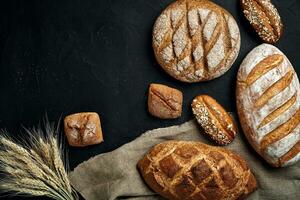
(269, 105)
(164, 102)
(193, 170)
(264, 17)
(215, 121)
(195, 40)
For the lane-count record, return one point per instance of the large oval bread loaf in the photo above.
(268, 104)
(182, 170)
(195, 40)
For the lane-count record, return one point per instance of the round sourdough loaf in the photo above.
(268, 105)
(195, 40)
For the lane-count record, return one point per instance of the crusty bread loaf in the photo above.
(195, 40)
(83, 129)
(268, 105)
(213, 118)
(164, 102)
(180, 170)
(264, 18)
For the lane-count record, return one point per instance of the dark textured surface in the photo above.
(61, 57)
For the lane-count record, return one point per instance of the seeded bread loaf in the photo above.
(264, 18)
(268, 105)
(195, 40)
(213, 118)
(180, 170)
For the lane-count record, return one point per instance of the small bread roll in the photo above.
(213, 118)
(264, 18)
(164, 102)
(83, 129)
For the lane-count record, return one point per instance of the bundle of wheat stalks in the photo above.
(35, 167)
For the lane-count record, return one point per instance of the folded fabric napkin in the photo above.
(114, 175)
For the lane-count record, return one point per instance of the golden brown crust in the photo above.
(276, 113)
(281, 131)
(290, 154)
(164, 102)
(213, 118)
(263, 67)
(264, 18)
(195, 40)
(208, 173)
(274, 89)
(83, 129)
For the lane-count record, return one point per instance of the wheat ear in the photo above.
(36, 167)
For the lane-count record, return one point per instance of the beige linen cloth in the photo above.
(114, 175)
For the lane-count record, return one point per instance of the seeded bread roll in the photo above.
(264, 18)
(164, 102)
(180, 170)
(213, 118)
(195, 40)
(268, 105)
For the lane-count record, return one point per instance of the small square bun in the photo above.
(83, 129)
(164, 102)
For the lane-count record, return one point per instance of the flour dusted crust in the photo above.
(195, 40)
(268, 104)
(180, 170)
(83, 129)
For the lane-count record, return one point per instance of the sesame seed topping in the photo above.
(208, 124)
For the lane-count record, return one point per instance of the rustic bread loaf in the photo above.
(268, 105)
(180, 170)
(195, 40)
(83, 129)
(264, 18)
(213, 118)
(164, 102)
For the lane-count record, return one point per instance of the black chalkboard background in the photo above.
(62, 57)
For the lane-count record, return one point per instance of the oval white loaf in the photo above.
(268, 105)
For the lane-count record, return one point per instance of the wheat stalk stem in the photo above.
(59, 166)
